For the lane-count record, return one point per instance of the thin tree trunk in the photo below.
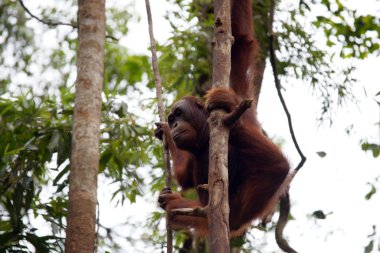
(161, 112)
(218, 208)
(80, 232)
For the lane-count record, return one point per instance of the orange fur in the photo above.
(258, 171)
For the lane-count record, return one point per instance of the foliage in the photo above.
(34, 151)
(374, 148)
(12, 25)
(31, 133)
(124, 148)
(302, 57)
(373, 190)
(371, 244)
(35, 128)
(370, 146)
(186, 61)
(37, 79)
(123, 70)
(356, 35)
(300, 53)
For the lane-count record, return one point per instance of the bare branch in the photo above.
(195, 212)
(157, 80)
(284, 201)
(278, 86)
(49, 23)
(203, 187)
(52, 23)
(160, 104)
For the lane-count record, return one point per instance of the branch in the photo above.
(52, 23)
(285, 200)
(202, 187)
(157, 80)
(49, 23)
(278, 86)
(234, 116)
(194, 212)
(160, 104)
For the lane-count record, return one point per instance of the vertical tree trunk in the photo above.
(218, 208)
(80, 232)
(161, 112)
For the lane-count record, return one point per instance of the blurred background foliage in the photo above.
(37, 77)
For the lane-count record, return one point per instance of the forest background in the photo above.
(328, 57)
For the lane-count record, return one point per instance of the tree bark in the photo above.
(218, 208)
(80, 232)
(161, 112)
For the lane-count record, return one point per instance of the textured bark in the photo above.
(218, 208)
(80, 232)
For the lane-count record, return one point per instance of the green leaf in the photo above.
(321, 154)
(62, 186)
(29, 195)
(39, 243)
(61, 174)
(18, 198)
(104, 159)
(319, 214)
(4, 226)
(370, 193)
(7, 237)
(64, 148)
(369, 247)
(377, 98)
(6, 109)
(118, 162)
(375, 148)
(54, 141)
(238, 242)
